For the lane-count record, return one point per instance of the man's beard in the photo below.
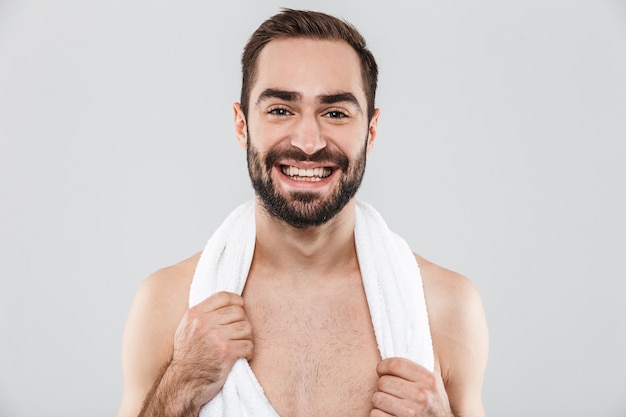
(302, 209)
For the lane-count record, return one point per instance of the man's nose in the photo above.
(307, 135)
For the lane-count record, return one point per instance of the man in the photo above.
(304, 316)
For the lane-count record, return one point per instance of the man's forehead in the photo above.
(297, 64)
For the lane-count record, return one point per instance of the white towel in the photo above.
(392, 282)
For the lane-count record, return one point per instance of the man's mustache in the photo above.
(324, 155)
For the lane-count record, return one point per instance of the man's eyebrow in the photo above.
(279, 94)
(338, 98)
(295, 96)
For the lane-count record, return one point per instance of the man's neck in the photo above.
(314, 251)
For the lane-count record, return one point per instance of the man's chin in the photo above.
(305, 197)
(302, 211)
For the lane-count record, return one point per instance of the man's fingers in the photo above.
(224, 306)
(229, 314)
(239, 330)
(243, 348)
(394, 386)
(393, 366)
(404, 368)
(379, 413)
(391, 405)
(219, 300)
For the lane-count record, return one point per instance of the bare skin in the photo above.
(302, 320)
(161, 303)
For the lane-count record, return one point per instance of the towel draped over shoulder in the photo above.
(391, 279)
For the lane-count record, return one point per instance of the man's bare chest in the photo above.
(315, 352)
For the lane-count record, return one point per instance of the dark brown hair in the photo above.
(291, 23)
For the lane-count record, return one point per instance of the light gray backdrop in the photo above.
(500, 155)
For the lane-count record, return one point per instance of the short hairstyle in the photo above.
(291, 23)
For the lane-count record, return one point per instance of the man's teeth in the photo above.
(309, 174)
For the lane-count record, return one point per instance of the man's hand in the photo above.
(211, 336)
(408, 389)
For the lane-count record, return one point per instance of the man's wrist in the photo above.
(170, 397)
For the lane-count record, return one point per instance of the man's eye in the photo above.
(280, 112)
(336, 114)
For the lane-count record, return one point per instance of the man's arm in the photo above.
(460, 337)
(176, 359)
(460, 343)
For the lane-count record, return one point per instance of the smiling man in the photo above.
(309, 157)
(303, 303)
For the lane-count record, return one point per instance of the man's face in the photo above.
(307, 133)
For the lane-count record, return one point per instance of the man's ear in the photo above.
(241, 127)
(373, 129)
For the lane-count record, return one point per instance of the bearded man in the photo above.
(303, 303)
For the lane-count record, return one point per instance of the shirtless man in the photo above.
(303, 320)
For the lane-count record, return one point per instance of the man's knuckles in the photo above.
(387, 383)
(228, 351)
(404, 389)
(231, 313)
(222, 299)
(382, 400)
(391, 366)
(408, 370)
(393, 406)
(242, 329)
(199, 321)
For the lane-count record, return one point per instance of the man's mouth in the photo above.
(306, 174)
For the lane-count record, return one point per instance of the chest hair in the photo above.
(315, 351)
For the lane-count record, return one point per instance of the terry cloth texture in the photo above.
(392, 282)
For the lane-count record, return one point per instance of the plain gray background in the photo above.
(500, 155)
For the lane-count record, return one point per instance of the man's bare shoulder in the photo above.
(164, 295)
(446, 288)
(166, 291)
(160, 303)
(453, 301)
(459, 332)
(171, 280)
